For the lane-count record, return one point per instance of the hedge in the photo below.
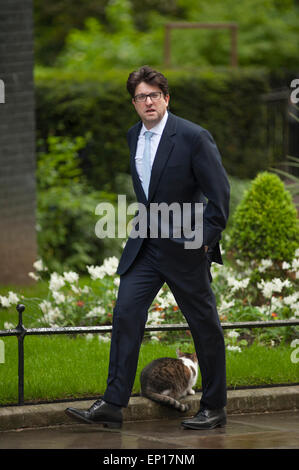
(225, 101)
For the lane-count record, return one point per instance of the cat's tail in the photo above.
(167, 400)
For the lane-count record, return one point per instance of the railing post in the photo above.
(21, 335)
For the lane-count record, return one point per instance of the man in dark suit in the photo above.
(172, 161)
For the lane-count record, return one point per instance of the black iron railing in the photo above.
(20, 332)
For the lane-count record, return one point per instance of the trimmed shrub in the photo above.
(265, 224)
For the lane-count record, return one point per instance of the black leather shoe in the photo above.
(206, 419)
(100, 413)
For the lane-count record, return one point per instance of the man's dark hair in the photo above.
(148, 75)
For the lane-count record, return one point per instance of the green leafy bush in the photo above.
(66, 209)
(265, 224)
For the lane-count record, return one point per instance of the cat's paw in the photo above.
(191, 392)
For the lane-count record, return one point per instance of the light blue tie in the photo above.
(146, 162)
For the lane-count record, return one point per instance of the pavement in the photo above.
(264, 418)
(277, 430)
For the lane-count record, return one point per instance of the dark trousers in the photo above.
(191, 288)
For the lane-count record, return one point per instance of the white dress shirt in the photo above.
(155, 140)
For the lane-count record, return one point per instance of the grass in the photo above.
(59, 367)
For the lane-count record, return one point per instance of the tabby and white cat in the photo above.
(168, 379)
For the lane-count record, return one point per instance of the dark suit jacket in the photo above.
(187, 168)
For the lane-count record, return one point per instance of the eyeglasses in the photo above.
(154, 96)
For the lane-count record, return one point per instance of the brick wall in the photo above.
(17, 143)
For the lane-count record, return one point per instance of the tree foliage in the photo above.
(109, 33)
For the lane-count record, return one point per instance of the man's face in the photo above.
(151, 112)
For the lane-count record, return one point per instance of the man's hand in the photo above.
(206, 248)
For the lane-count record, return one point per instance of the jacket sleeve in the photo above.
(213, 182)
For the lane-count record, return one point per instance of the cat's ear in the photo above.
(178, 353)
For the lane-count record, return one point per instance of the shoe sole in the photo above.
(221, 424)
(107, 424)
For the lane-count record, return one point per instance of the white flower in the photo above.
(4, 301)
(165, 300)
(58, 297)
(240, 262)
(52, 316)
(170, 299)
(230, 280)
(164, 303)
(86, 290)
(291, 299)
(154, 338)
(89, 336)
(225, 305)
(13, 298)
(234, 348)
(159, 296)
(8, 326)
(276, 285)
(71, 276)
(116, 281)
(90, 314)
(56, 282)
(286, 265)
(75, 289)
(95, 312)
(154, 316)
(295, 264)
(109, 268)
(34, 276)
(110, 265)
(263, 309)
(265, 264)
(276, 303)
(39, 265)
(233, 334)
(104, 339)
(45, 306)
(266, 288)
(236, 285)
(297, 253)
(96, 272)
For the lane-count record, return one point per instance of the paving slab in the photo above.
(279, 430)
